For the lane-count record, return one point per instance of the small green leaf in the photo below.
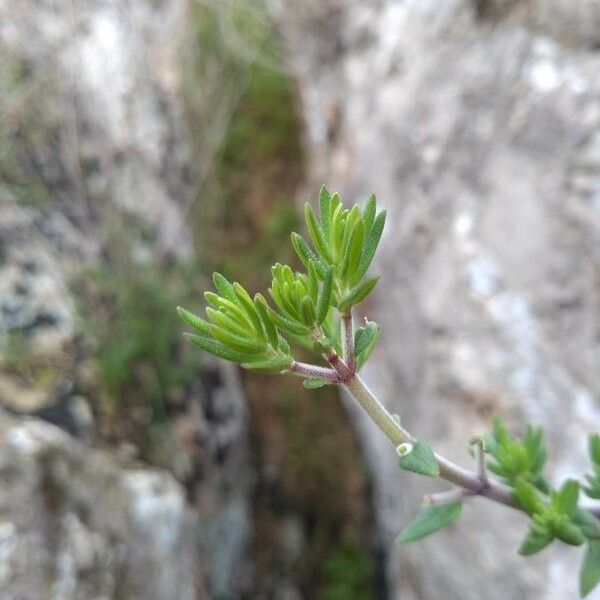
(589, 575)
(236, 342)
(229, 307)
(325, 297)
(569, 533)
(487, 440)
(263, 310)
(353, 249)
(271, 365)
(369, 213)
(365, 336)
(357, 294)
(370, 246)
(430, 520)
(305, 254)
(589, 525)
(420, 459)
(316, 235)
(218, 317)
(309, 315)
(288, 325)
(312, 383)
(537, 539)
(313, 282)
(216, 348)
(324, 204)
(223, 286)
(564, 502)
(248, 305)
(193, 320)
(527, 498)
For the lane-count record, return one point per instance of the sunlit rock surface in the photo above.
(478, 125)
(75, 524)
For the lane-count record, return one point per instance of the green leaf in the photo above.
(195, 321)
(353, 249)
(309, 315)
(430, 520)
(316, 235)
(263, 310)
(357, 294)
(569, 533)
(420, 459)
(216, 348)
(226, 322)
(288, 325)
(369, 213)
(487, 440)
(324, 204)
(325, 297)
(589, 525)
(229, 307)
(564, 502)
(537, 539)
(313, 282)
(370, 246)
(365, 336)
(248, 305)
(528, 498)
(312, 383)
(223, 287)
(271, 365)
(305, 254)
(589, 575)
(236, 342)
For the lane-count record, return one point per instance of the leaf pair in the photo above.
(238, 329)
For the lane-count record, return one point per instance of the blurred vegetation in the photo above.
(243, 110)
(243, 219)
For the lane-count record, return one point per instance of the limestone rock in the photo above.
(479, 131)
(75, 524)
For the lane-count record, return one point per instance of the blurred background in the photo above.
(146, 143)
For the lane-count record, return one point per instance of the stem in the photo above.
(448, 497)
(470, 481)
(306, 370)
(348, 339)
(481, 469)
(344, 373)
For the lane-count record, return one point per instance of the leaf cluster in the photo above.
(517, 459)
(553, 520)
(308, 306)
(345, 241)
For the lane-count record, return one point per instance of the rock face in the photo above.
(74, 524)
(96, 159)
(478, 125)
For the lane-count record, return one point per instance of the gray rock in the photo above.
(479, 132)
(74, 524)
(96, 156)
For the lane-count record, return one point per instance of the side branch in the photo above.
(469, 480)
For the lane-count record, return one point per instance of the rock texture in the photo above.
(478, 125)
(96, 159)
(74, 524)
